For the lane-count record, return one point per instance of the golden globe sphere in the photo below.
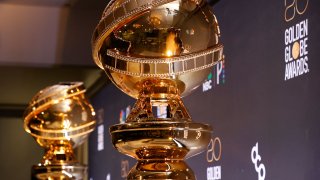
(60, 112)
(137, 40)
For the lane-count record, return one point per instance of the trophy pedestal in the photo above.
(161, 169)
(161, 147)
(58, 172)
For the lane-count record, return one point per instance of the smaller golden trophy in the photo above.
(60, 118)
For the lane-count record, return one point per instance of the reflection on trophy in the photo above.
(158, 51)
(60, 118)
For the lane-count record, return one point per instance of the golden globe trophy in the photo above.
(158, 51)
(60, 118)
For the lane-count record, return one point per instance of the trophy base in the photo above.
(58, 172)
(161, 169)
(161, 147)
(161, 139)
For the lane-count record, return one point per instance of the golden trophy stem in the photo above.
(160, 144)
(60, 153)
(156, 93)
(59, 162)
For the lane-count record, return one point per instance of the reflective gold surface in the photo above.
(60, 118)
(154, 169)
(158, 51)
(181, 46)
(161, 140)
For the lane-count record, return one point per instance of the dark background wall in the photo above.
(254, 108)
(18, 151)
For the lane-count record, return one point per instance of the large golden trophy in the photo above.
(158, 51)
(60, 118)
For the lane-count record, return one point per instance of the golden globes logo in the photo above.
(296, 40)
(214, 152)
(294, 8)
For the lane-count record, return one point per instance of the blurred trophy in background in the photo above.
(60, 118)
(158, 51)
